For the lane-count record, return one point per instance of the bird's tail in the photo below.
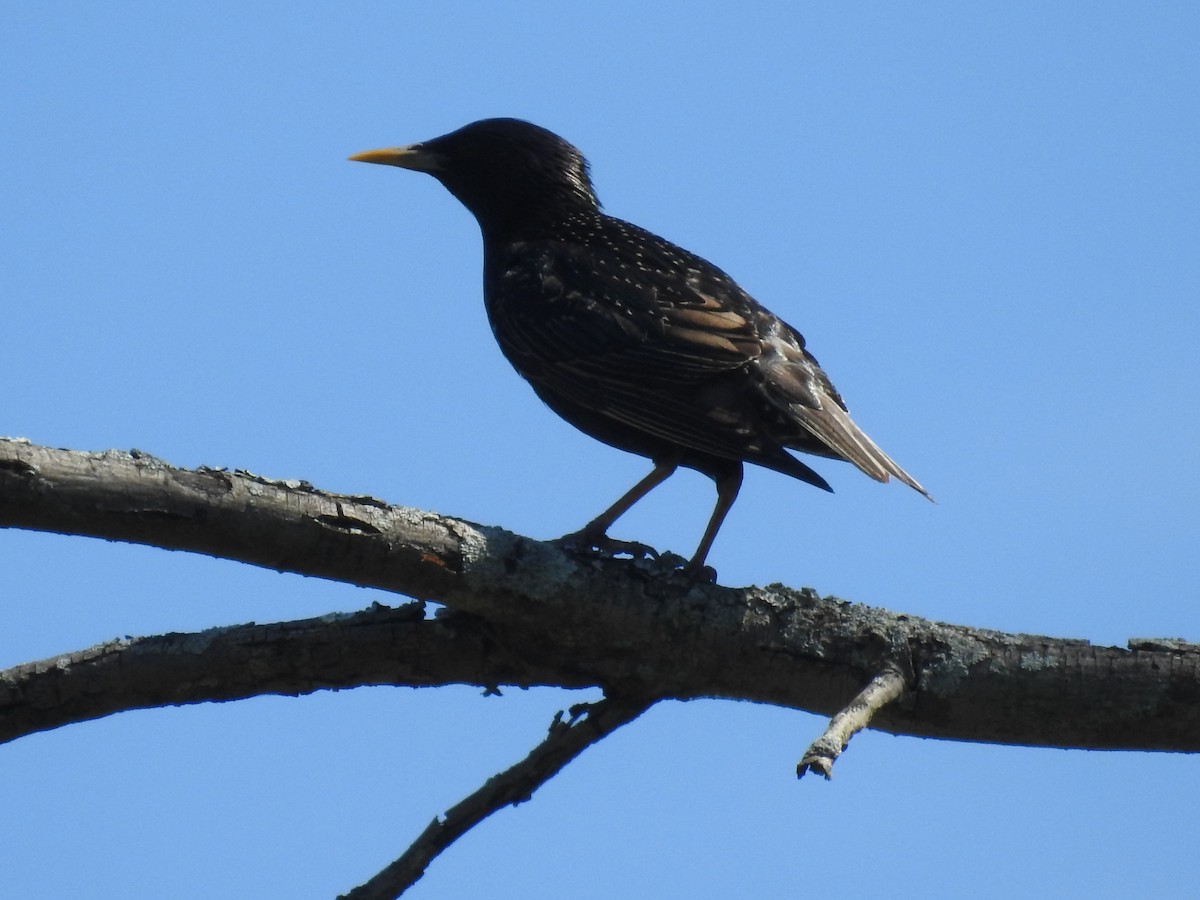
(832, 426)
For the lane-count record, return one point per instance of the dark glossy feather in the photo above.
(629, 337)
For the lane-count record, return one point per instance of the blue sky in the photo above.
(984, 217)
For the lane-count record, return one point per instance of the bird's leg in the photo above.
(595, 533)
(729, 483)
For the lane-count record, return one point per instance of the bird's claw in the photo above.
(702, 574)
(582, 543)
(603, 545)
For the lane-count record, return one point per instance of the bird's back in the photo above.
(649, 347)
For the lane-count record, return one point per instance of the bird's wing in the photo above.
(647, 341)
(632, 341)
(592, 309)
(793, 380)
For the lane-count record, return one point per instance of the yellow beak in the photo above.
(413, 157)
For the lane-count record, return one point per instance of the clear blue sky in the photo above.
(984, 217)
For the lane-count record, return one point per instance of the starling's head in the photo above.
(511, 174)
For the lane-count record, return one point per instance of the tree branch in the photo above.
(380, 645)
(605, 619)
(884, 688)
(588, 724)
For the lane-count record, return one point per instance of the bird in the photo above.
(630, 338)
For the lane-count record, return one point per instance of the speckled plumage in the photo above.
(629, 337)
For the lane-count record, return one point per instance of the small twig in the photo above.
(881, 690)
(588, 723)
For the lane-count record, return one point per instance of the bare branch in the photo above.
(881, 690)
(588, 724)
(380, 645)
(604, 619)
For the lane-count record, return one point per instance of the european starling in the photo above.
(630, 338)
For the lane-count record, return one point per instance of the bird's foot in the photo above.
(700, 573)
(583, 543)
(603, 545)
(668, 563)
